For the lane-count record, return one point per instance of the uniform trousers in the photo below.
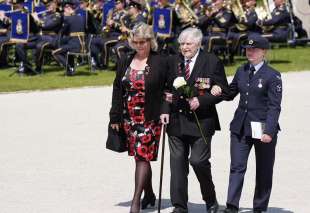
(240, 148)
(193, 150)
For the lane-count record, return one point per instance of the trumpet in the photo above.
(185, 13)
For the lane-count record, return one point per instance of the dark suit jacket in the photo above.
(260, 99)
(182, 120)
(155, 83)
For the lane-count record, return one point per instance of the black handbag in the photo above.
(116, 140)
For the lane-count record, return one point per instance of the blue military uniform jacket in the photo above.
(251, 19)
(260, 99)
(222, 20)
(280, 21)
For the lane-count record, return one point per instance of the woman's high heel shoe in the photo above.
(148, 200)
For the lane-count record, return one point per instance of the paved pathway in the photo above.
(53, 157)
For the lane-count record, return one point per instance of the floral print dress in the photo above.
(142, 136)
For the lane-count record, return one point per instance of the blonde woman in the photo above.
(137, 98)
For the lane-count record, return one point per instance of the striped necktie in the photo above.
(187, 69)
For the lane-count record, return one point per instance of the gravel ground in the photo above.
(53, 157)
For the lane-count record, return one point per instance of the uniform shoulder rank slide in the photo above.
(279, 88)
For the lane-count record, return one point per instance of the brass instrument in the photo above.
(149, 11)
(214, 8)
(124, 35)
(263, 12)
(95, 10)
(107, 28)
(239, 13)
(211, 9)
(186, 15)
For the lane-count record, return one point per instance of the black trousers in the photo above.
(193, 150)
(240, 148)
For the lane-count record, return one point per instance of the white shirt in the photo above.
(192, 63)
(258, 66)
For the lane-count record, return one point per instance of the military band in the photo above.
(224, 23)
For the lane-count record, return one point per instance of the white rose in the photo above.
(179, 82)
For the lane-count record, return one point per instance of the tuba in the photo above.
(263, 12)
(239, 13)
(186, 15)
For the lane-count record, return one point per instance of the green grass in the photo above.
(284, 60)
(53, 78)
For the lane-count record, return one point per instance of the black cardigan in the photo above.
(155, 82)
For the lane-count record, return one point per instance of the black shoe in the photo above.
(70, 71)
(178, 210)
(230, 209)
(21, 69)
(148, 200)
(257, 211)
(214, 208)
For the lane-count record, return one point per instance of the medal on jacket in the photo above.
(260, 85)
(147, 69)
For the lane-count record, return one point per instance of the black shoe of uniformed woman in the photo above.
(257, 211)
(214, 208)
(231, 209)
(148, 200)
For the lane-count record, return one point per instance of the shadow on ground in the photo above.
(201, 208)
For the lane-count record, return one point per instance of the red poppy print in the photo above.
(142, 150)
(146, 138)
(139, 84)
(143, 136)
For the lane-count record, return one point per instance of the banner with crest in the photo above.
(162, 22)
(19, 27)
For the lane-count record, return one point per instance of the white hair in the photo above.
(192, 34)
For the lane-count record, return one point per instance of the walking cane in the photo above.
(161, 166)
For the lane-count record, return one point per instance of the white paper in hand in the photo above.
(257, 129)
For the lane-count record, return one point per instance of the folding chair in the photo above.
(84, 53)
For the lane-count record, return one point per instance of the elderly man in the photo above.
(255, 123)
(188, 142)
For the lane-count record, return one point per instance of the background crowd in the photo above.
(99, 29)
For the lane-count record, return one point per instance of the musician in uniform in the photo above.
(218, 20)
(21, 48)
(279, 23)
(73, 39)
(134, 17)
(245, 25)
(50, 24)
(101, 45)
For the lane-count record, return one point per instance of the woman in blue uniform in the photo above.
(255, 123)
